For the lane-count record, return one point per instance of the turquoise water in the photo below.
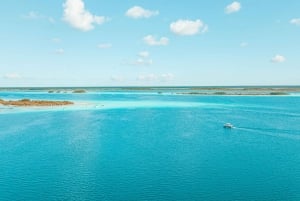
(146, 146)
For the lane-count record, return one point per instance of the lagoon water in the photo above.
(147, 146)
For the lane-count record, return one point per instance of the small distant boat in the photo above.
(228, 125)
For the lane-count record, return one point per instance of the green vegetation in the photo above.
(220, 93)
(79, 91)
(279, 93)
(192, 93)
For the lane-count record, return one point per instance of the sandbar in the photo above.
(29, 103)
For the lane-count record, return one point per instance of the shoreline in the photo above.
(184, 90)
(34, 103)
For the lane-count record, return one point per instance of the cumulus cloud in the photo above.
(188, 27)
(12, 76)
(166, 77)
(295, 21)
(233, 7)
(278, 59)
(141, 60)
(78, 17)
(105, 45)
(137, 12)
(152, 41)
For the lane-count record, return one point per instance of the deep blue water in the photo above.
(147, 146)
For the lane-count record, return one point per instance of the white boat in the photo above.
(228, 125)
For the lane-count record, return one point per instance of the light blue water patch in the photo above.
(106, 105)
(149, 147)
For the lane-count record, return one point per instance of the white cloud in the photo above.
(152, 41)
(188, 27)
(166, 77)
(233, 7)
(59, 51)
(141, 60)
(12, 76)
(78, 17)
(105, 45)
(295, 21)
(139, 12)
(143, 54)
(278, 59)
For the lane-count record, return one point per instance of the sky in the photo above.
(149, 43)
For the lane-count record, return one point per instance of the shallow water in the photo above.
(123, 146)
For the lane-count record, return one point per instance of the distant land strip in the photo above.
(28, 103)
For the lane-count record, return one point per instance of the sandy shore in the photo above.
(28, 103)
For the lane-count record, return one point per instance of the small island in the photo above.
(79, 91)
(29, 103)
(240, 91)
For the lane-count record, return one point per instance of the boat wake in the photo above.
(283, 133)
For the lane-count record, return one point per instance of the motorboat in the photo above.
(228, 125)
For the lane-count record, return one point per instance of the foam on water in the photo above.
(273, 132)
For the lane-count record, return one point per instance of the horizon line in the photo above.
(153, 86)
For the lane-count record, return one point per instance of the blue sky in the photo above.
(142, 42)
